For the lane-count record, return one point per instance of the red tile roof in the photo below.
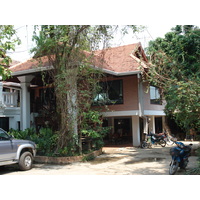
(116, 59)
(30, 64)
(14, 62)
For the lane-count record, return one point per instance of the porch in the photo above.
(129, 130)
(10, 110)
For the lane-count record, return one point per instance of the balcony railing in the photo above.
(9, 99)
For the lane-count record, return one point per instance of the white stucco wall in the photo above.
(135, 130)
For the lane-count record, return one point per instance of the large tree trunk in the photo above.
(68, 108)
(72, 104)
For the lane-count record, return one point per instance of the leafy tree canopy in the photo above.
(8, 40)
(175, 68)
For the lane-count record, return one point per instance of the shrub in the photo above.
(46, 139)
(25, 135)
(195, 171)
(91, 128)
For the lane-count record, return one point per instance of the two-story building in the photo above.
(133, 106)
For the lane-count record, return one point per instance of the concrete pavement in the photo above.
(114, 161)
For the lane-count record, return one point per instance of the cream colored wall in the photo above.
(146, 100)
(130, 94)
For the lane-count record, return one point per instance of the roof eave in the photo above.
(31, 71)
(118, 73)
(35, 70)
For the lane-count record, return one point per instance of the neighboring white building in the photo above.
(10, 111)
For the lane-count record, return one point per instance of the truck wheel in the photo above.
(26, 161)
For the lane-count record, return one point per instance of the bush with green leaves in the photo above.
(91, 128)
(174, 68)
(46, 139)
(196, 170)
(25, 135)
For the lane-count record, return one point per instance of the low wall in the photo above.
(65, 160)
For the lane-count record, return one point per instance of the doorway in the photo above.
(123, 130)
(4, 123)
(120, 133)
(158, 125)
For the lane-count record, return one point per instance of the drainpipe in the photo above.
(140, 96)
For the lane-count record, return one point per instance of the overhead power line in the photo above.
(20, 27)
(149, 34)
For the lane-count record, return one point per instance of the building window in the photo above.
(155, 97)
(110, 92)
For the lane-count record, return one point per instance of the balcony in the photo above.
(9, 99)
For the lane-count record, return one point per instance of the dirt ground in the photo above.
(114, 161)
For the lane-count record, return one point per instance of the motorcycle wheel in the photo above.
(162, 143)
(169, 142)
(144, 145)
(173, 167)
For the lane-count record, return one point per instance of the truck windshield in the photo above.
(4, 135)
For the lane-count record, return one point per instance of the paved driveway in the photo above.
(114, 161)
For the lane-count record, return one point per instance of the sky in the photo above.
(151, 32)
(158, 16)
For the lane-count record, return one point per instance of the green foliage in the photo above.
(175, 69)
(8, 40)
(91, 127)
(46, 140)
(195, 171)
(183, 100)
(88, 158)
(25, 135)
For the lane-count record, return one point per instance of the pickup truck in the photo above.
(14, 151)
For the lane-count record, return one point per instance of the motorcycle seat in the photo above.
(155, 135)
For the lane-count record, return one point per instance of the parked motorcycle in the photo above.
(170, 140)
(180, 154)
(158, 139)
(154, 139)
